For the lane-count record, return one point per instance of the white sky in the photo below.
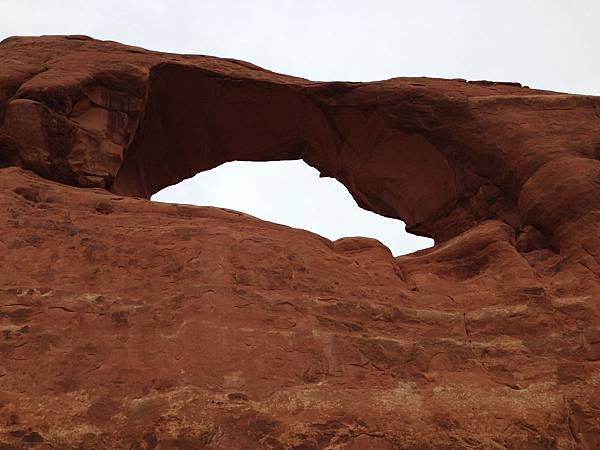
(291, 193)
(548, 44)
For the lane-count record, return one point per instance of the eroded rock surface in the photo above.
(131, 324)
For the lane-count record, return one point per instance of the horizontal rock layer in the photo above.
(130, 324)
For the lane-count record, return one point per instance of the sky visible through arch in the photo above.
(291, 193)
(541, 43)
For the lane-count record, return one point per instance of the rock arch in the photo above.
(163, 316)
(442, 155)
(193, 122)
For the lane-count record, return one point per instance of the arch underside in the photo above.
(209, 120)
(390, 162)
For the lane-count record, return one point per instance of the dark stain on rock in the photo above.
(17, 315)
(119, 318)
(72, 230)
(535, 291)
(31, 194)
(104, 208)
(238, 397)
(33, 437)
(27, 436)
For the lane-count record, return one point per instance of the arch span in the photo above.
(194, 121)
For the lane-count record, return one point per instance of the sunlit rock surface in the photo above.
(132, 324)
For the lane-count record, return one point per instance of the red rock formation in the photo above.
(130, 324)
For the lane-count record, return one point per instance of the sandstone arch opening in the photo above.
(194, 120)
(291, 193)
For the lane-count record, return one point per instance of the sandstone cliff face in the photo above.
(130, 324)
